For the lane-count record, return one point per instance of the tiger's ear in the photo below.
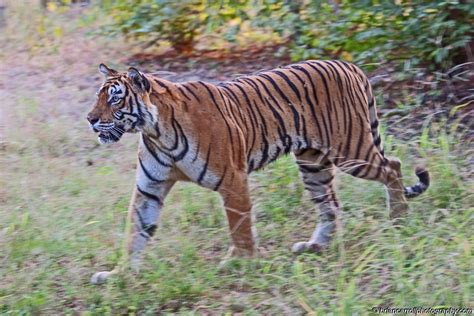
(106, 71)
(138, 79)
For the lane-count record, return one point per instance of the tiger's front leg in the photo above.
(143, 214)
(238, 207)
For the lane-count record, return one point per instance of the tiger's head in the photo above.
(119, 107)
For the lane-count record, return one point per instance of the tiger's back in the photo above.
(321, 105)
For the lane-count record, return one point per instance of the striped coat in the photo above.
(215, 135)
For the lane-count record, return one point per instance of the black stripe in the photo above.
(253, 119)
(332, 105)
(150, 229)
(296, 116)
(310, 168)
(264, 130)
(239, 107)
(378, 141)
(320, 199)
(149, 195)
(191, 91)
(197, 152)
(144, 234)
(250, 166)
(375, 124)
(228, 104)
(310, 103)
(337, 76)
(347, 118)
(184, 140)
(348, 136)
(289, 83)
(270, 94)
(275, 156)
(355, 86)
(346, 94)
(328, 99)
(218, 184)
(232, 116)
(368, 166)
(371, 102)
(176, 138)
(147, 173)
(183, 93)
(139, 110)
(319, 183)
(358, 169)
(325, 83)
(158, 159)
(228, 91)
(142, 223)
(161, 84)
(206, 165)
(218, 108)
(303, 84)
(281, 123)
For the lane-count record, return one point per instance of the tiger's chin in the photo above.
(109, 137)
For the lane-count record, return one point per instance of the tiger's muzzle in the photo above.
(109, 132)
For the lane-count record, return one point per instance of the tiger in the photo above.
(215, 135)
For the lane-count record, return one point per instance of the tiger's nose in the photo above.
(92, 120)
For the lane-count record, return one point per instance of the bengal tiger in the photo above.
(215, 135)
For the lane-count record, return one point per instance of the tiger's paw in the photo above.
(101, 277)
(235, 252)
(307, 246)
(398, 210)
(234, 255)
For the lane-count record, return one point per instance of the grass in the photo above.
(62, 217)
(63, 200)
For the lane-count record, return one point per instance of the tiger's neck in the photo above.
(162, 114)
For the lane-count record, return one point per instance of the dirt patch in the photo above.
(211, 65)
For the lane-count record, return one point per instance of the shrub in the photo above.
(178, 22)
(437, 32)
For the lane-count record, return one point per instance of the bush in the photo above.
(436, 32)
(178, 22)
(430, 32)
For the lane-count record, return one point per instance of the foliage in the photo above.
(178, 22)
(373, 31)
(364, 31)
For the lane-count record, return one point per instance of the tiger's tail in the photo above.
(422, 174)
(421, 186)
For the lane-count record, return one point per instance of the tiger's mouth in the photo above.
(110, 136)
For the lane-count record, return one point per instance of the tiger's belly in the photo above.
(270, 150)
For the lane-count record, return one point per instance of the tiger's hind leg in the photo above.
(376, 167)
(397, 202)
(317, 172)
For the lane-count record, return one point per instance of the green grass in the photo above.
(63, 219)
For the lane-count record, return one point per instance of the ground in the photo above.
(63, 200)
